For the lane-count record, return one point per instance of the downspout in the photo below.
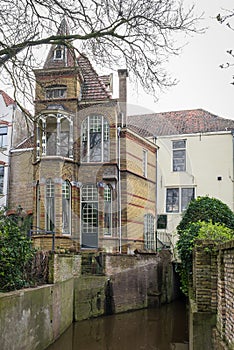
(119, 190)
(9, 156)
(156, 195)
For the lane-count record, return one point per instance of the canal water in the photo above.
(163, 328)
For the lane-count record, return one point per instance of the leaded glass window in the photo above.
(149, 236)
(49, 205)
(95, 139)
(66, 207)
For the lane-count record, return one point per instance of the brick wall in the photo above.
(21, 181)
(205, 276)
(225, 312)
(213, 292)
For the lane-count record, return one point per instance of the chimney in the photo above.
(123, 74)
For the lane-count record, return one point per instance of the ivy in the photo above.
(15, 253)
(205, 219)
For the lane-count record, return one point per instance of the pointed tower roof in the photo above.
(60, 56)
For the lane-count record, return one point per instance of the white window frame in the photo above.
(149, 232)
(108, 201)
(59, 48)
(179, 155)
(95, 124)
(63, 125)
(179, 202)
(66, 207)
(3, 136)
(50, 205)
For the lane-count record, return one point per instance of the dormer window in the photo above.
(56, 91)
(58, 53)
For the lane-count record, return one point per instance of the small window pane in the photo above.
(149, 239)
(162, 222)
(187, 194)
(3, 136)
(107, 210)
(179, 155)
(179, 160)
(1, 179)
(179, 144)
(172, 200)
(89, 193)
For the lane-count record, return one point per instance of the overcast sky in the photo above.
(202, 84)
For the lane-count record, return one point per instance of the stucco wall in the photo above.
(207, 170)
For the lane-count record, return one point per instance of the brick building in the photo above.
(13, 129)
(92, 180)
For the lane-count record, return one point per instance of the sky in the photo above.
(201, 82)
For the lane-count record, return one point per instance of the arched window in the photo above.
(49, 205)
(58, 52)
(107, 211)
(66, 207)
(95, 139)
(149, 237)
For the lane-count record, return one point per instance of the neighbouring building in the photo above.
(92, 180)
(195, 158)
(13, 128)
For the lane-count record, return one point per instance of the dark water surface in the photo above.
(152, 329)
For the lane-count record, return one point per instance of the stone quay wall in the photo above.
(34, 318)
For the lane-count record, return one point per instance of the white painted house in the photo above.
(195, 158)
(13, 129)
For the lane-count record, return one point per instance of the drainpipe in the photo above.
(156, 194)
(119, 190)
(10, 146)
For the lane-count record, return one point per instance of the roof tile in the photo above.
(179, 122)
(94, 87)
(7, 99)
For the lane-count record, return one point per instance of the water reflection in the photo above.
(151, 329)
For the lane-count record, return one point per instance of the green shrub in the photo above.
(205, 218)
(15, 253)
(206, 209)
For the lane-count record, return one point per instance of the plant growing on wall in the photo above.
(205, 219)
(15, 253)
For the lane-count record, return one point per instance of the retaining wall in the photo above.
(34, 318)
(211, 301)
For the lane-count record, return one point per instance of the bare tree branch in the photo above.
(138, 34)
